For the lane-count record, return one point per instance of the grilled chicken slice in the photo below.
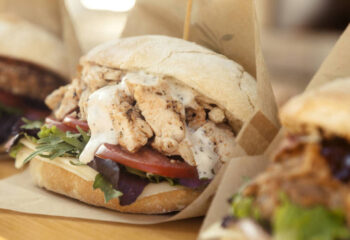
(162, 113)
(68, 102)
(223, 139)
(133, 131)
(195, 117)
(96, 77)
(53, 101)
(216, 115)
(185, 151)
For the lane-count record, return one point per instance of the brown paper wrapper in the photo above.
(230, 28)
(336, 65)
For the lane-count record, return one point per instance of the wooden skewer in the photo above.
(187, 20)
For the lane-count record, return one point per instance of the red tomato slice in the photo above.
(73, 122)
(60, 125)
(147, 160)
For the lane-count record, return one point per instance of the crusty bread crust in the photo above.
(213, 75)
(326, 108)
(59, 180)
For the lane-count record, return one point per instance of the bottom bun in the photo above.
(59, 180)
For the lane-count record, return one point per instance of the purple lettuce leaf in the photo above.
(129, 184)
(193, 183)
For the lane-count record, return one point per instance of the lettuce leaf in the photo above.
(106, 187)
(243, 207)
(154, 178)
(15, 149)
(54, 143)
(293, 222)
(30, 125)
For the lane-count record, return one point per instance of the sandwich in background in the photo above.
(32, 65)
(305, 192)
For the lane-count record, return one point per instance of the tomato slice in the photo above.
(73, 123)
(60, 125)
(147, 160)
(68, 124)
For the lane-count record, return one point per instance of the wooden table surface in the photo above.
(15, 225)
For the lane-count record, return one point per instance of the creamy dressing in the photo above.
(203, 152)
(182, 94)
(99, 120)
(142, 78)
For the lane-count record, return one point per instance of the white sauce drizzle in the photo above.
(99, 120)
(184, 95)
(203, 152)
(141, 78)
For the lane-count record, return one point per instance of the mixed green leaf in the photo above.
(52, 143)
(243, 207)
(28, 124)
(106, 187)
(154, 178)
(294, 222)
(15, 149)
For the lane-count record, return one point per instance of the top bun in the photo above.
(212, 75)
(326, 108)
(21, 40)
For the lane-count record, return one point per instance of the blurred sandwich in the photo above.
(32, 65)
(305, 193)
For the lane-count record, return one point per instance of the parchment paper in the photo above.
(227, 26)
(336, 65)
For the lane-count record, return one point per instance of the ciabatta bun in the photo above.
(325, 108)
